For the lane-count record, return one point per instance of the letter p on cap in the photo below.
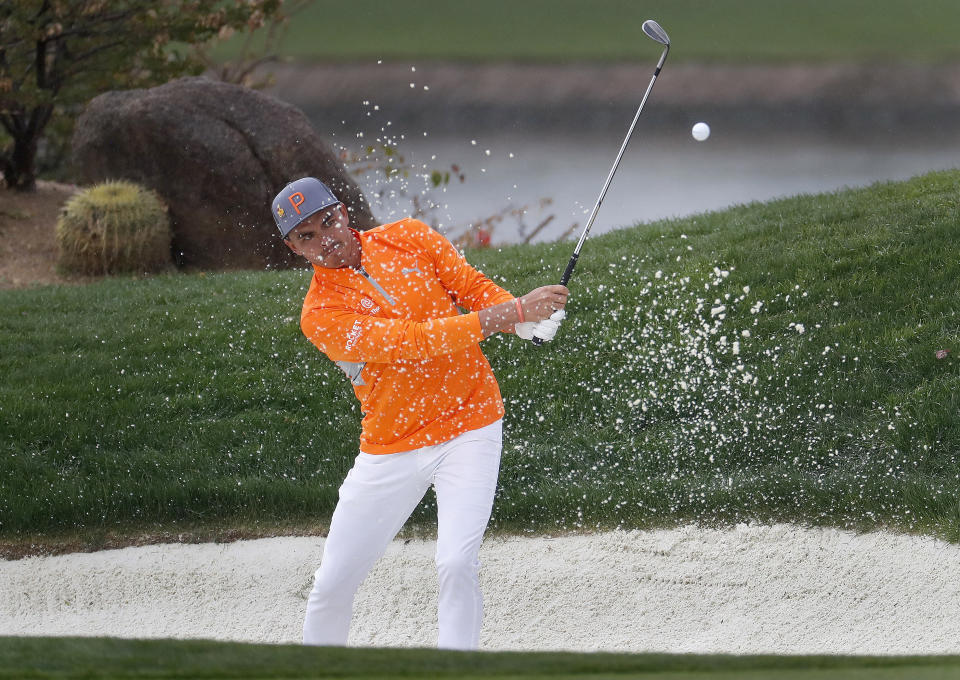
(296, 200)
(291, 206)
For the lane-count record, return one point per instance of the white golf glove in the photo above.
(545, 330)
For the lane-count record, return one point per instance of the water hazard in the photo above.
(665, 173)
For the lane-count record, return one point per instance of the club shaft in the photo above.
(572, 263)
(616, 163)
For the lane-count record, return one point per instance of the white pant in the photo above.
(378, 495)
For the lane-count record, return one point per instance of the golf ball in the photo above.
(700, 131)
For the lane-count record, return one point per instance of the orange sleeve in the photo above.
(344, 335)
(470, 288)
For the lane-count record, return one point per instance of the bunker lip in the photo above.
(97, 540)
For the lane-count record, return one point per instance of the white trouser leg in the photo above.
(376, 498)
(465, 480)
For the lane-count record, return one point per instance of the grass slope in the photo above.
(89, 658)
(775, 361)
(571, 30)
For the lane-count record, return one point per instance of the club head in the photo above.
(655, 32)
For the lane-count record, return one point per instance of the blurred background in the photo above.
(504, 117)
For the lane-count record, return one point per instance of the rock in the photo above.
(217, 154)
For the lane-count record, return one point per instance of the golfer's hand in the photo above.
(546, 329)
(534, 307)
(524, 330)
(541, 302)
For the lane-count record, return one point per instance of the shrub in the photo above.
(112, 228)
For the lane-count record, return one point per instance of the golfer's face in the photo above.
(325, 239)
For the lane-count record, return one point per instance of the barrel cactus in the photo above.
(113, 228)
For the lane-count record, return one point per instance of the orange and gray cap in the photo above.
(298, 201)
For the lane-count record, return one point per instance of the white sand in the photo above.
(779, 589)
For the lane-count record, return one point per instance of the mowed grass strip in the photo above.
(117, 659)
(609, 30)
(772, 362)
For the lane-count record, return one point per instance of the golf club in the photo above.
(654, 31)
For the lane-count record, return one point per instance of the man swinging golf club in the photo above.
(383, 305)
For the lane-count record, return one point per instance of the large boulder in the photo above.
(217, 154)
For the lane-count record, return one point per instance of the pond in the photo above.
(665, 173)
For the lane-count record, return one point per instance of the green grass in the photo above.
(88, 658)
(192, 402)
(572, 30)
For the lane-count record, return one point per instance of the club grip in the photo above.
(567, 273)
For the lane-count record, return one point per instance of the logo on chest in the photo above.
(369, 306)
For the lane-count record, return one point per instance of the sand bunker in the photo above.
(752, 589)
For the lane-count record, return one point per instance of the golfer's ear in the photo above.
(290, 245)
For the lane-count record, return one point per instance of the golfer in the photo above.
(383, 305)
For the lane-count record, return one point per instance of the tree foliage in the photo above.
(55, 55)
(253, 50)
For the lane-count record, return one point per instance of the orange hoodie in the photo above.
(394, 328)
